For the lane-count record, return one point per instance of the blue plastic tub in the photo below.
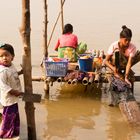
(85, 65)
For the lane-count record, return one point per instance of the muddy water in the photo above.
(74, 112)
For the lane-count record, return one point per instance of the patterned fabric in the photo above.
(119, 91)
(68, 53)
(75, 74)
(118, 85)
(10, 125)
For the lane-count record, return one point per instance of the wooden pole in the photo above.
(62, 18)
(25, 34)
(45, 47)
(45, 35)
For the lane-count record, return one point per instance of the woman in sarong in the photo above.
(67, 44)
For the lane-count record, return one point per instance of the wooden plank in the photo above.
(137, 78)
(130, 111)
(53, 55)
(73, 66)
(27, 97)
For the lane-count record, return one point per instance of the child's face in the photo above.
(5, 57)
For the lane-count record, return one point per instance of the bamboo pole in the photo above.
(25, 34)
(55, 25)
(85, 81)
(62, 17)
(45, 35)
(45, 47)
(97, 77)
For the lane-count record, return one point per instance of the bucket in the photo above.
(85, 65)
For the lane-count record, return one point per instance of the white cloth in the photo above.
(9, 79)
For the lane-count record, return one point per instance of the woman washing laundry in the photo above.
(128, 56)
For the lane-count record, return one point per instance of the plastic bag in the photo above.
(82, 47)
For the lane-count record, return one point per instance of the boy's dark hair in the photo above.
(8, 48)
(68, 28)
(126, 32)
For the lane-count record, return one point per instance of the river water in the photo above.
(73, 112)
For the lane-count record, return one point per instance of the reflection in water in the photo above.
(65, 115)
(68, 115)
(81, 113)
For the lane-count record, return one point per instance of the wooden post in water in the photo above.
(130, 111)
(45, 47)
(25, 34)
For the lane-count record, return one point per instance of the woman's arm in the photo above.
(113, 68)
(128, 67)
(108, 64)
